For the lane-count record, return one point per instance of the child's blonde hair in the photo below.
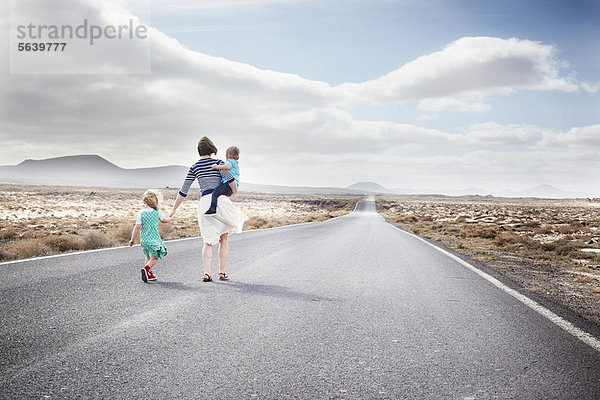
(233, 152)
(152, 198)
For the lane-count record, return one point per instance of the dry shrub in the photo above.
(62, 243)
(121, 232)
(508, 239)
(583, 279)
(405, 218)
(26, 248)
(29, 234)
(483, 232)
(572, 228)
(95, 240)
(8, 234)
(546, 230)
(561, 247)
(531, 224)
(166, 231)
(186, 230)
(256, 223)
(4, 255)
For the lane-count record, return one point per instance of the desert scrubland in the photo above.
(36, 221)
(550, 247)
(547, 246)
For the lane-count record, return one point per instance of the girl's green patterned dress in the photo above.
(152, 244)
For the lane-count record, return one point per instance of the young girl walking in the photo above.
(147, 227)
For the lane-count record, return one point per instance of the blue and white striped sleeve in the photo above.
(189, 179)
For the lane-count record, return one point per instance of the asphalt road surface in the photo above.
(351, 308)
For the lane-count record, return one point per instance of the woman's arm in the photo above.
(178, 201)
(134, 233)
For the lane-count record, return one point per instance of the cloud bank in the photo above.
(297, 131)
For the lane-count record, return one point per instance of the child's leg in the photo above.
(152, 262)
(218, 191)
(213, 201)
(227, 189)
(147, 260)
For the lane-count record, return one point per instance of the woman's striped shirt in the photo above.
(207, 177)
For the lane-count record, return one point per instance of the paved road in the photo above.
(349, 308)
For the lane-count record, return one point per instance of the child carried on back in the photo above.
(233, 155)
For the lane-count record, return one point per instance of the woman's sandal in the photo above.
(223, 276)
(207, 278)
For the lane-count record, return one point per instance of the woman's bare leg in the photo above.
(223, 251)
(207, 251)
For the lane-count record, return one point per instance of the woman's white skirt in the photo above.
(228, 219)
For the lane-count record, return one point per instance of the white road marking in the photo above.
(557, 320)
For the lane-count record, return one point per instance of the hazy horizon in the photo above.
(54, 171)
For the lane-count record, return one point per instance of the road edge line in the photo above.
(567, 326)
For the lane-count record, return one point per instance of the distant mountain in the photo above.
(370, 187)
(90, 170)
(541, 191)
(91, 162)
(93, 170)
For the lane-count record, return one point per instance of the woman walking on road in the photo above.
(214, 228)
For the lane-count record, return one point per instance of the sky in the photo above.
(427, 94)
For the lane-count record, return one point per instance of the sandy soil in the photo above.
(547, 246)
(46, 220)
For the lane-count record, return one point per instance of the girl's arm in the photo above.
(178, 201)
(166, 220)
(223, 166)
(134, 233)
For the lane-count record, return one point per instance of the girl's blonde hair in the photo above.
(152, 198)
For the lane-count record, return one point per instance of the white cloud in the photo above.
(427, 117)
(514, 135)
(593, 87)
(471, 66)
(453, 104)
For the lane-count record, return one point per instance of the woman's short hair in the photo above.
(206, 147)
(151, 199)
(233, 152)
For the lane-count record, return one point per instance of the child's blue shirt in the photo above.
(235, 171)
